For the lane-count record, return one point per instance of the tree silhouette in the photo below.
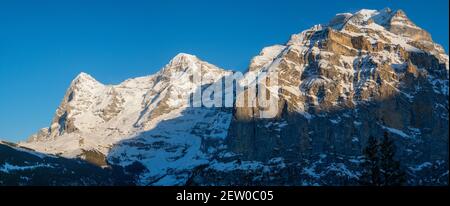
(371, 165)
(392, 175)
(379, 167)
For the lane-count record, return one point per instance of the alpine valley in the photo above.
(364, 74)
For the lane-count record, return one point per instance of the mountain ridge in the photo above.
(359, 75)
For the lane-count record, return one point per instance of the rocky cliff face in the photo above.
(360, 75)
(145, 121)
(93, 116)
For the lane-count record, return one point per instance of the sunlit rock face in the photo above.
(357, 76)
(360, 75)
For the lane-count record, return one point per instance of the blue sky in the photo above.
(45, 44)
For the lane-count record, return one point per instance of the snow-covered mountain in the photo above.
(145, 118)
(357, 76)
(93, 116)
(332, 74)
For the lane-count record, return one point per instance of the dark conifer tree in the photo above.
(391, 173)
(371, 166)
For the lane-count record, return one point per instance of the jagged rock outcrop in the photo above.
(147, 120)
(360, 75)
(93, 116)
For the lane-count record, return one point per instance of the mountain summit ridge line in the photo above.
(359, 75)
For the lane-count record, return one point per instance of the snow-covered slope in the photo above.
(22, 166)
(93, 116)
(366, 56)
(359, 75)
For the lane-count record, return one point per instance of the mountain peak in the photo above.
(400, 13)
(400, 24)
(85, 80)
(399, 16)
(183, 58)
(394, 21)
(363, 16)
(266, 55)
(84, 76)
(348, 80)
(179, 63)
(366, 12)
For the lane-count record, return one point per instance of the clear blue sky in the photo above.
(45, 44)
